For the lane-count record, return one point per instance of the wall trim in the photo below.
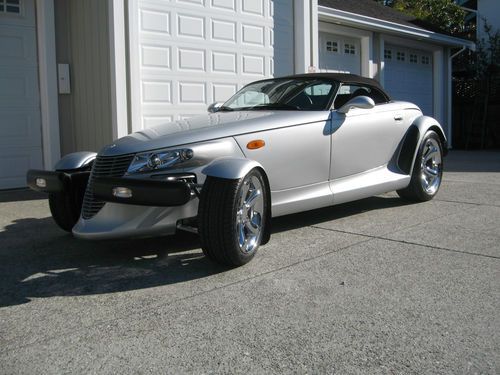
(439, 77)
(375, 24)
(47, 73)
(118, 68)
(302, 32)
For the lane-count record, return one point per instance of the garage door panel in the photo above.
(14, 162)
(18, 87)
(201, 52)
(25, 18)
(20, 128)
(17, 47)
(339, 53)
(409, 79)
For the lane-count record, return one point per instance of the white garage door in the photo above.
(20, 129)
(339, 54)
(186, 54)
(408, 76)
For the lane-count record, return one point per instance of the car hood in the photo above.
(208, 127)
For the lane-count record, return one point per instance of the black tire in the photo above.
(219, 221)
(63, 210)
(66, 207)
(416, 191)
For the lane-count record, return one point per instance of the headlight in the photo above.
(158, 160)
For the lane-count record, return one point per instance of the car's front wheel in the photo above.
(427, 172)
(232, 217)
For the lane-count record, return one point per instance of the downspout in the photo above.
(450, 94)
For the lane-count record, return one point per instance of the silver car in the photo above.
(277, 147)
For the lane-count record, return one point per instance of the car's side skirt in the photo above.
(351, 188)
(363, 185)
(300, 199)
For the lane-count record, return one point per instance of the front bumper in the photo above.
(150, 192)
(116, 221)
(55, 182)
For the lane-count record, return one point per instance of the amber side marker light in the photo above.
(256, 144)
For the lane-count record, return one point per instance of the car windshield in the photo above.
(303, 94)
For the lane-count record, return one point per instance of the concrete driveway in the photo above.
(376, 286)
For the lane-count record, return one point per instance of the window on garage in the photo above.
(426, 60)
(332, 46)
(401, 56)
(10, 6)
(388, 54)
(349, 49)
(413, 58)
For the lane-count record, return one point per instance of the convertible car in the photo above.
(278, 146)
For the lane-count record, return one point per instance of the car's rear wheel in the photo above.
(65, 210)
(232, 217)
(427, 172)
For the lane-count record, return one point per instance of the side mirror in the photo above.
(214, 107)
(363, 102)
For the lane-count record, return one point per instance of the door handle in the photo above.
(398, 117)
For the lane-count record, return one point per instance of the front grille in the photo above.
(104, 166)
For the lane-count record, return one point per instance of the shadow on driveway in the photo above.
(37, 259)
(472, 161)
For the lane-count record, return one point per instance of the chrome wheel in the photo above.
(250, 213)
(431, 168)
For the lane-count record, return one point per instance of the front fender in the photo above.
(230, 168)
(75, 160)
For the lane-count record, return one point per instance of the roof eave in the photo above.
(375, 24)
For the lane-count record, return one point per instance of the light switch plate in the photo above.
(63, 79)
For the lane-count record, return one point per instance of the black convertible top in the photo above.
(341, 77)
(352, 79)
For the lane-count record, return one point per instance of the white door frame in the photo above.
(118, 68)
(47, 75)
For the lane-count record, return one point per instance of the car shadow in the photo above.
(20, 195)
(472, 161)
(38, 260)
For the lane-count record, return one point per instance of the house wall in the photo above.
(82, 41)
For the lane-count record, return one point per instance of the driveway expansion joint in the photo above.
(409, 242)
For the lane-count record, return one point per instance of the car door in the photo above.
(296, 158)
(363, 139)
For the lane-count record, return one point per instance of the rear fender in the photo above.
(414, 136)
